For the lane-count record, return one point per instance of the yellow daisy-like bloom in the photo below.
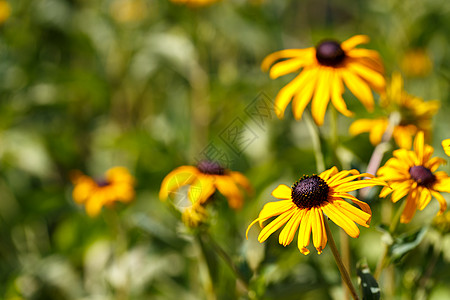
(195, 3)
(324, 70)
(310, 197)
(118, 185)
(412, 173)
(204, 180)
(415, 115)
(446, 146)
(194, 215)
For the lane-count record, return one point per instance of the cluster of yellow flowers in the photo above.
(324, 70)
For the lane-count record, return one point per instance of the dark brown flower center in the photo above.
(329, 53)
(310, 191)
(210, 167)
(422, 175)
(102, 182)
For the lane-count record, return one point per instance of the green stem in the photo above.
(344, 274)
(227, 259)
(315, 137)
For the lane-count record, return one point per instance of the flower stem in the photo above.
(344, 274)
(226, 258)
(315, 137)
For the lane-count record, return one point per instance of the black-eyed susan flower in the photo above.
(302, 207)
(413, 174)
(324, 70)
(446, 146)
(116, 186)
(415, 115)
(204, 180)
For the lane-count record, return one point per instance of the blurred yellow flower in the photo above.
(323, 71)
(415, 115)
(204, 180)
(194, 215)
(413, 173)
(442, 222)
(195, 3)
(5, 11)
(94, 194)
(416, 63)
(310, 197)
(446, 146)
(126, 11)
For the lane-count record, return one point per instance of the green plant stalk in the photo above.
(344, 274)
(226, 258)
(315, 138)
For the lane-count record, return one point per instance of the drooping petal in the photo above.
(359, 88)
(201, 189)
(424, 198)
(288, 232)
(304, 233)
(401, 190)
(356, 215)
(341, 220)
(410, 208)
(321, 95)
(304, 93)
(227, 187)
(317, 229)
(441, 200)
(446, 145)
(240, 179)
(337, 89)
(275, 225)
(372, 77)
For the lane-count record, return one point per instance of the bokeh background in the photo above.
(152, 85)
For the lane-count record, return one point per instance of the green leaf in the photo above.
(369, 286)
(405, 243)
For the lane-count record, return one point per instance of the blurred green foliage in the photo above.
(150, 85)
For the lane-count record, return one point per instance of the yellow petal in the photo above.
(286, 67)
(356, 215)
(288, 232)
(424, 198)
(240, 179)
(288, 53)
(325, 175)
(359, 88)
(174, 180)
(317, 229)
(341, 220)
(441, 200)
(419, 145)
(273, 209)
(410, 208)
(354, 41)
(226, 186)
(446, 146)
(304, 232)
(275, 225)
(285, 95)
(337, 88)
(304, 93)
(321, 95)
(282, 191)
(340, 175)
(372, 77)
(201, 189)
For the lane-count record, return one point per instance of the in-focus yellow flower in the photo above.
(195, 3)
(413, 173)
(204, 180)
(416, 63)
(94, 194)
(415, 115)
(5, 11)
(310, 197)
(446, 146)
(324, 70)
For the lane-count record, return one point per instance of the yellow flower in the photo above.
(194, 215)
(204, 180)
(415, 115)
(413, 173)
(416, 63)
(446, 146)
(5, 11)
(194, 3)
(325, 69)
(310, 197)
(116, 186)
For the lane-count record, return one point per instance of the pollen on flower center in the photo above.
(210, 167)
(329, 53)
(309, 191)
(422, 175)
